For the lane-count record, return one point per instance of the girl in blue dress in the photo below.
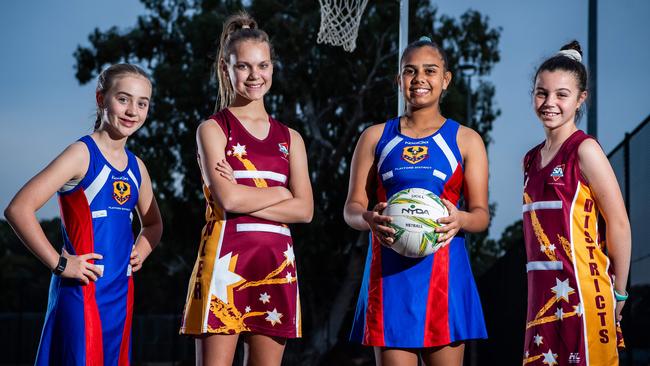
(419, 307)
(99, 184)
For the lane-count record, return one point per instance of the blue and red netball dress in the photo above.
(571, 303)
(418, 302)
(91, 324)
(245, 278)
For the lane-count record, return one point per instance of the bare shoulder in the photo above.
(590, 154)
(370, 137)
(295, 136)
(373, 133)
(141, 165)
(467, 134)
(76, 153)
(589, 147)
(72, 163)
(469, 140)
(375, 130)
(208, 126)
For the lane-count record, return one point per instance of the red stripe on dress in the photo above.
(77, 221)
(94, 341)
(454, 185)
(126, 333)
(436, 326)
(374, 333)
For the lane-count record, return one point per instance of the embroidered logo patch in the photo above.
(121, 191)
(284, 148)
(558, 172)
(415, 154)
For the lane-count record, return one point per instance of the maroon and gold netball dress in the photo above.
(245, 278)
(571, 301)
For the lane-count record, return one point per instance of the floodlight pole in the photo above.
(403, 42)
(592, 110)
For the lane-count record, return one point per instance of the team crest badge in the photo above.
(121, 191)
(284, 148)
(558, 172)
(415, 154)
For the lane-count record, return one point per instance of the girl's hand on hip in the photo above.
(79, 267)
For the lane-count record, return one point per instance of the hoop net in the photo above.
(339, 22)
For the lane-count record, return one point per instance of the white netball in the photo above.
(415, 212)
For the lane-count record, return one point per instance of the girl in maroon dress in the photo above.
(577, 270)
(254, 171)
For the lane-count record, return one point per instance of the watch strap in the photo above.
(60, 267)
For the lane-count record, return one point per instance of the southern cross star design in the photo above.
(538, 340)
(225, 279)
(579, 309)
(289, 255)
(559, 313)
(549, 358)
(273, 317)
(562, 290)
(265, 298)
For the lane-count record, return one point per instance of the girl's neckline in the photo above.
(268, 134)
(399, 130)
(555, 156)
(108, 162)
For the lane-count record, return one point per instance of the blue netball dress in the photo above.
(91, 324)
(418, 302)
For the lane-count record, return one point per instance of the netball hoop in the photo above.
(339, 22)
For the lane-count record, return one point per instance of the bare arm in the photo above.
(299, 208)
(232, 197)
(21, 212)
(150, 221)
(356, 211)
(596, 169)
(477, 216)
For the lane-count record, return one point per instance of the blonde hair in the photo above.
(237, 27)
(107, 78)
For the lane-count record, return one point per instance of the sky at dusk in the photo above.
(43, 108)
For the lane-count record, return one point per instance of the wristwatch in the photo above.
(60, 267)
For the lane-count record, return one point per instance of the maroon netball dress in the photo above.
(245, 277)
(571, 302)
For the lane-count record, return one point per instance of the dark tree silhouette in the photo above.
(325, 93)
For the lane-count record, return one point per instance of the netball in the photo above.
(415, 212)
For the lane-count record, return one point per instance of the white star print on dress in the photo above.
(549, 358)
(239, 150)
(265, 298)
(224, 278)
(289, 255)
(562, 290)
(273, 317)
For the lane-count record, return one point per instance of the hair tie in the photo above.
(245, 26)
(424, 39)
(572, 54)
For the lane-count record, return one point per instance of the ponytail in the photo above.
(237, 27)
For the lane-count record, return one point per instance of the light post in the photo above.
(468, 70)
